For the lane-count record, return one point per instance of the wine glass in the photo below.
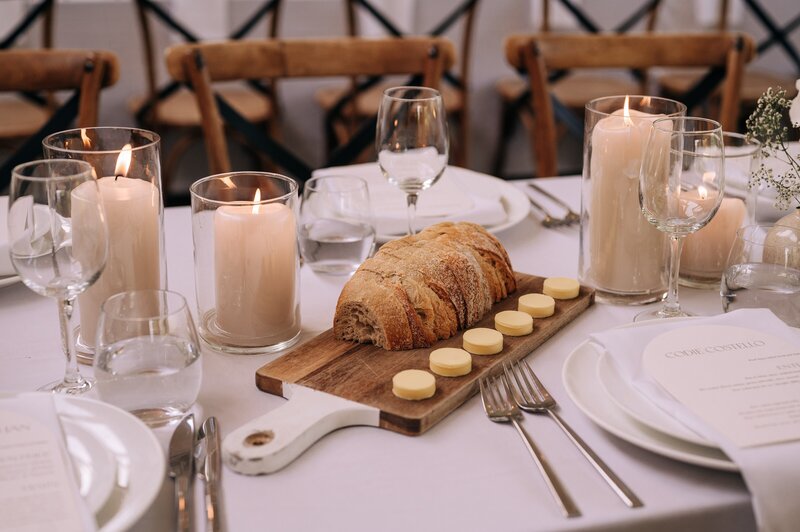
(681, 185)
(412, 141)
(58, 240)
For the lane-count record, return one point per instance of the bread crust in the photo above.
(423, 288)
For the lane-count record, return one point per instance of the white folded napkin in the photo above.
(38, 488)
(771, 472)
(5, 260)
(450, 199)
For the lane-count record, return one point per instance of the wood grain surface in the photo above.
(363, 372)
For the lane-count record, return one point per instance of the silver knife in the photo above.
(209, 470)
(181, 462)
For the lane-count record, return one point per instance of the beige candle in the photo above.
(254, 258)
(627, 252)
(705, 252)
(134, 252)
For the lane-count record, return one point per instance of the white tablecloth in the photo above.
(466, 473)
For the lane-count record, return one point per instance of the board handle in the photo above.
(272, 441)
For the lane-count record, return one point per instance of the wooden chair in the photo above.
(538, 55)
(347, 106)
(573, 89)
(24, 113)
(84, 72)
(170, 108)
(199, 65)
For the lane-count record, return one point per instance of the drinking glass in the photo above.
(336, 232)
(412, 141)
(148, 357)
(681, 185)
(58, 240)
(763, 271)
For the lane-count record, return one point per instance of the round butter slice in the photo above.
(561, 288)
(413, 384)
(450, 362)
(513, 323)
(537, 305)
(483, 341)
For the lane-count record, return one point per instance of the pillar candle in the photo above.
(705, 252)
(255, 262)
(134, 251)
(627, 253)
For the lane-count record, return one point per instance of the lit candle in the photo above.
(254, 258)
(627, 252)
(131, 208)
(705, 252)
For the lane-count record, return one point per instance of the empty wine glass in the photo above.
(412, 141)
(681, 185)
(59, 242)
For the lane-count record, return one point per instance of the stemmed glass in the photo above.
(412, 141)
(681, 185)
(58, 240)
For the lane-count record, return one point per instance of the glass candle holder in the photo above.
(126, 164)
(621, 255)
(247, 267)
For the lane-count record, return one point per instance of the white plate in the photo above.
(120, 463)
(630, 401)
(7, 276)
(580, 380)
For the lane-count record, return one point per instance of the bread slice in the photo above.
(419, 289)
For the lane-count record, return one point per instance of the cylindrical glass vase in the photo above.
(247, 267)
(622, 256)
(126, 164)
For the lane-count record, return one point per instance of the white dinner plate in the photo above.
(7, 276)
(580, 380)
(118, 461)
(625, 396)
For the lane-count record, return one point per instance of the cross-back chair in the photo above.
(572, 89)
(84, 72)
(25, 112)
(200, 65)
(539, 56)
(169, 107)
(347, 106)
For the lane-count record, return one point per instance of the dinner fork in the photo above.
(571, 217)
(533, 397)
(501, 409)
(549, 220)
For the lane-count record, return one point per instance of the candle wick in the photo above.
(117, 176)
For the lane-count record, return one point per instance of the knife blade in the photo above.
(209, 470)
(181, 464)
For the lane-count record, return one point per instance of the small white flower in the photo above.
(794, 110)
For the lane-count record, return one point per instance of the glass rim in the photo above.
(433, 93)
(745, 233)
(750, 142)
(156, 138)
(358, 183)
(713, 125)
(17, 171)
(105, 307)
(681, 106)
(293, 188)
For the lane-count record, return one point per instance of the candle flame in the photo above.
(87, 142)
(124, 161)
(256, 200)
(626, 113)
(703, 192)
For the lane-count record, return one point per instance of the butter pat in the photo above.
(513, 323)
(482, 341)
(450, 362)
(537, 305)
(413, 384)
(561, 288)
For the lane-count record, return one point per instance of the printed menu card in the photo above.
(38, 490)
(743, 383)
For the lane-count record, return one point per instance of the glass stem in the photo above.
(66, 306)
(671, 304)
(412, 211)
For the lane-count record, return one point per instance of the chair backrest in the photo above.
(648, 10)
(199, 65)
(726, 54)
(85, 72)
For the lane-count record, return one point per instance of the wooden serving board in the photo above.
(362, 373)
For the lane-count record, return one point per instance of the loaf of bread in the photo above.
(423, 288)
